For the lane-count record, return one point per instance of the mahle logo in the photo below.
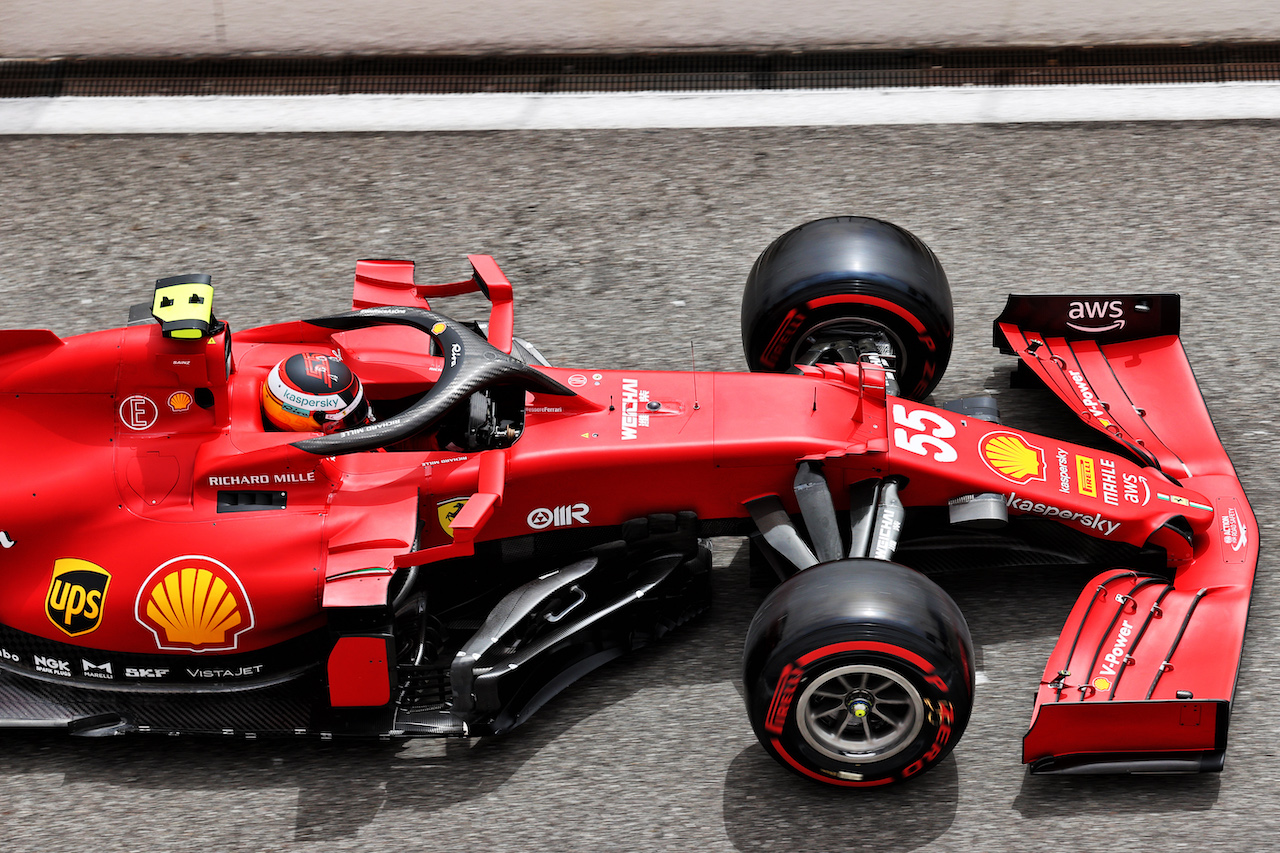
(76, 594)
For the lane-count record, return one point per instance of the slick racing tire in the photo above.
(858, 673)
(833, 288)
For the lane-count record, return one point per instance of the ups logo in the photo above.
(77, 591)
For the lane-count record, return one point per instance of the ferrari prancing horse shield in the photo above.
(447, 511)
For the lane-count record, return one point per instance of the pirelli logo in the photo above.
(1086, 477)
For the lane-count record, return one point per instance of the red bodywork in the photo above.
(124, 442)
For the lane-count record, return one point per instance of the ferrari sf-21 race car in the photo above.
(178, 559)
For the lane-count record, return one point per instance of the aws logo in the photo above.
(76, 594)
(1097, 316)
(1011, 457)
(194, 604)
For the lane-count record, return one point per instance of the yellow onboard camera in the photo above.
(183, 304)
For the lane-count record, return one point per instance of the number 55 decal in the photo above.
(914, 433)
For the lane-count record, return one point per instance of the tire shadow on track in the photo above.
(760, 814)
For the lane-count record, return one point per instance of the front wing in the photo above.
(1144, 671)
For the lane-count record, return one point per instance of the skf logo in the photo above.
(194, 604)
(76, 594)
(1011, 457)
(447, 511)
(1102, 316)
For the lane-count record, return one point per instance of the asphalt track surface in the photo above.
(625, 247)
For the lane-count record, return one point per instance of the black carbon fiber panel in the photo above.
(281, 710)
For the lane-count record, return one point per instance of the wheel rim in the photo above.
(843, 339)
(860, 713)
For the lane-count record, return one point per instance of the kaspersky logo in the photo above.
(194, 604)
(77, 591)
(1010, 456)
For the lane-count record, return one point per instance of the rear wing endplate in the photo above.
(390, 282)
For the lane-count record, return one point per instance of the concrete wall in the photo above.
(48, 28)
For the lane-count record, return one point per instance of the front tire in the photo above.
(858, 673)
(838, 288)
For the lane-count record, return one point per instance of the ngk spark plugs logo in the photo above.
(194, 604)
(76, 595)
(1010, 456)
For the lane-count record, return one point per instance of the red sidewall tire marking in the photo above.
(869, 646)
(876, 302)
(821, 777)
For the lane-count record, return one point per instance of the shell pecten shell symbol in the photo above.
(194, 607)
(194, 603)
(1011, 457)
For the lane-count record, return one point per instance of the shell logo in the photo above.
(1101, 684)
(438, 329)
(1009, 455)
(195, 604)
(179, 401)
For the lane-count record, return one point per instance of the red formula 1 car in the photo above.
(173, 563)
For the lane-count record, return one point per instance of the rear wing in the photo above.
(1144, 671)
(388, 282)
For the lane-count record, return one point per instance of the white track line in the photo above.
(788, 108)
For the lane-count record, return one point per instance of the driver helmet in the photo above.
(314, 392)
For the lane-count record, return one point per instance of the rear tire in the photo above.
(824, 290)
(858, 673)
